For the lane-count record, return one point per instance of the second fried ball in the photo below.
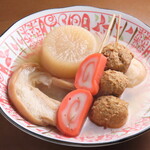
(113, 83)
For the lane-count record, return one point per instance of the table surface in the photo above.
(12, 138)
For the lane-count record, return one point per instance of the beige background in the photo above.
(12, 138)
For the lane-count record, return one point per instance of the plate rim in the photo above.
(81, 6)
(69, 143)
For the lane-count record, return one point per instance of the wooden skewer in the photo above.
(118, 29)
(107, 34)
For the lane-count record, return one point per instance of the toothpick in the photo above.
(107, 33)
(118, 29)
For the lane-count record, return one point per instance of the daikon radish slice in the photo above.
(64, 48)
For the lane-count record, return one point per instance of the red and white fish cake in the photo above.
(75, 106)
(90, 72)
(73, 111)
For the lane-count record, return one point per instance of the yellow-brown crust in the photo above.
(113, 83)
(109, 111)
(118, 57)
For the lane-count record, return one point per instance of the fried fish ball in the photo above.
(109, 111)
(118, 57)
(113, 83)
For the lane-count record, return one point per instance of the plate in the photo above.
(30, 31)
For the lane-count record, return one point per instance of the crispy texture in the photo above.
(113, 83)
(118, 57)
(109, 111)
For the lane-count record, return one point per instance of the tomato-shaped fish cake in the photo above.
(72, 111)
(90, 72)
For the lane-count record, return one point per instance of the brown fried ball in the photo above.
(118, 57)
(109, 111)
(113, 83)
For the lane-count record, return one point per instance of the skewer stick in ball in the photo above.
(118, 29)
(96, 63)
(87, 81)
(107, 33)
(118, 56)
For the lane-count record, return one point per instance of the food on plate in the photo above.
(136, 72)
(73, 111)
(113, 83)
(92, 67)
(65, 47)
(32, 103)
(90, 72)
(70, 58)
(75, 106)
(109, 111)
(118, 57)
